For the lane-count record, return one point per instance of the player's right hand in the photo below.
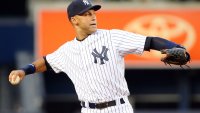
(16, 76)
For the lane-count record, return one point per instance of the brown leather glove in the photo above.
(175, 56)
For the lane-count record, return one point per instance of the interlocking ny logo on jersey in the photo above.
(102, 56)
(86, 2)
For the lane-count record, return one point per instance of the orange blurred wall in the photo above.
(181, 26)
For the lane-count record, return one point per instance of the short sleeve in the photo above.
(56, 59)
(128, 42)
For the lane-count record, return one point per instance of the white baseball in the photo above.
(16, 81)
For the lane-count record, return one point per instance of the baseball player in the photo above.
(94, 60)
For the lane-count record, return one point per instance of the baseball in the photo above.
(16, 81)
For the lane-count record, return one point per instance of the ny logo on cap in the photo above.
(86, 2)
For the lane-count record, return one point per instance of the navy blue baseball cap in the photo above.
(77, 7)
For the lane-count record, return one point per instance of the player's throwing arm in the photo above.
(16, 76)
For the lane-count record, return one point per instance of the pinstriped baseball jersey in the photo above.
(96, 64)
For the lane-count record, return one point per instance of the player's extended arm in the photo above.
(175, 54)
(159, 44)
(17, 75)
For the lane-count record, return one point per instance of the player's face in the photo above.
(87, 22)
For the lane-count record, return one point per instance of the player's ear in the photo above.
(74, 20)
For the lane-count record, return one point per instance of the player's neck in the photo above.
(81, 35)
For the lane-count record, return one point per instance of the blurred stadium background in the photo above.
(153, 90)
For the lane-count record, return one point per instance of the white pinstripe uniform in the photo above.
(96, 67)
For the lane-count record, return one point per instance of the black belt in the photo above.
(102, 105)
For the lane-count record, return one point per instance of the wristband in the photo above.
(29, 69)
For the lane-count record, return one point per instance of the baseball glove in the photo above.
(176, 56)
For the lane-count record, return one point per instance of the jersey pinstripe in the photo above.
(96, 64)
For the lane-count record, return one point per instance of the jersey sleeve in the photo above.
(128, 42)
(55, 60)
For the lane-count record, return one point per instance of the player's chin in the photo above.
(93, 29)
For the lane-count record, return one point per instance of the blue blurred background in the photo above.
(152, 90)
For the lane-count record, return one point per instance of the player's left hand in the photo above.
(176, 56)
